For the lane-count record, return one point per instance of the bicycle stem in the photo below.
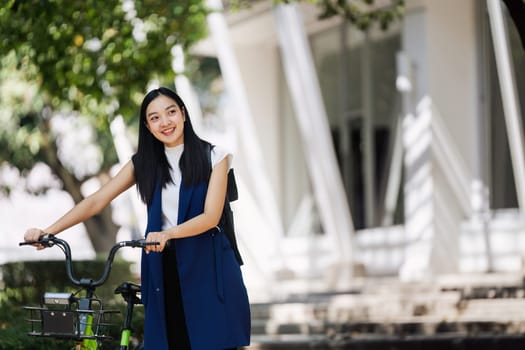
(87, 283)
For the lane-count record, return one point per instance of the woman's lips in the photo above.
(168, 132)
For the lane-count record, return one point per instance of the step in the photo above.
(436, 342)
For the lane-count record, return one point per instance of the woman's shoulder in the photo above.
(218, 153)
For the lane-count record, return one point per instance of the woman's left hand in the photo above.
(159, 237)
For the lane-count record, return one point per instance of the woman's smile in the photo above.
(168, 132)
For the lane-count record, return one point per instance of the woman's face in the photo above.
(165, 120)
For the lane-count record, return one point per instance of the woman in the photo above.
(192, 287)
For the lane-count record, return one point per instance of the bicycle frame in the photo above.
(58, 309)
(129, 292)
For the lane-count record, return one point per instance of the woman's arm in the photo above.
(89, 206)
(213, 206)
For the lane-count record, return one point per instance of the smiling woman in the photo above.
(182, 179)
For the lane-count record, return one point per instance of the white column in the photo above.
(511, 106)
(262, 191)
(124, 152)
(315, 132)
(185, 90)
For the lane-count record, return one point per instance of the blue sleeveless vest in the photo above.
(215, 300)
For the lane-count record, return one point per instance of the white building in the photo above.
(386, 152)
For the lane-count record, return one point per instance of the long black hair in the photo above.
(150, 163)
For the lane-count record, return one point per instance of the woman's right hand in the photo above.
(33, 235)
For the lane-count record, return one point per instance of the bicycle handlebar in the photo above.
(50, 240)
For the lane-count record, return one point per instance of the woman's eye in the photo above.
(172, 111)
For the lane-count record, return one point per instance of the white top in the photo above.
(170, 194)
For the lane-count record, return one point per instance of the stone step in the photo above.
(364, 314)
(463, 304)
(496, 310)
(437, 342)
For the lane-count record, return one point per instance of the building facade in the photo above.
(385, 152)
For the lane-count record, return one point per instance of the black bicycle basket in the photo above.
(62, 315)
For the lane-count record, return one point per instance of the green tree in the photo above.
(361, 13)
(91, 58)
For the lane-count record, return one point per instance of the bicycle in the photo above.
(82, 317)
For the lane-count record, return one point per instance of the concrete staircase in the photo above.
(449, 310)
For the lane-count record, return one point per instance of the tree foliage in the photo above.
(93, 57)
(90, 58)
(361, 13)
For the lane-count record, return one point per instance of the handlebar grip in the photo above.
(46, 240)
(141, 243)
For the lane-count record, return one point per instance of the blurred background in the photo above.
(378, 149)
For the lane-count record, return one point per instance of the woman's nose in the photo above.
(164, 120)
